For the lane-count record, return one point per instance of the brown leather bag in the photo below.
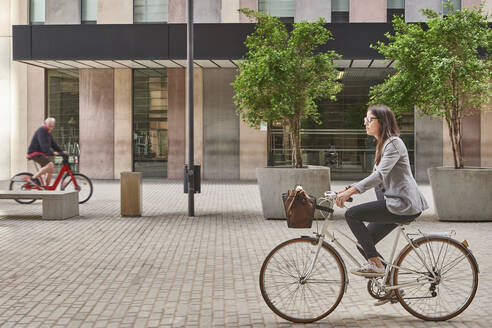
(299, 208)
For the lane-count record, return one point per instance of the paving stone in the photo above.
(165, 269)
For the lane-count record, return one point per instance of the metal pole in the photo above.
(190, 171)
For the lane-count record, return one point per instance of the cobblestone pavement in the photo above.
(165, 269)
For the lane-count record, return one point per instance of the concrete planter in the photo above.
(273, 181)
(462, 195)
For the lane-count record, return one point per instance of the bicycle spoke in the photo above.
(290, 297)
(452, 290)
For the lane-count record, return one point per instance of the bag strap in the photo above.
(294, 196)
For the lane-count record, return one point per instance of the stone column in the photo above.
(36, 101)
(486, 135)
(312, 10)
(413, 9)
(229, 13)
(96, 123)
(471, 143)
(176, 11)
(63, 12)
(428, 145)
(488, 7)
(251, 4)
(5, 122)
(220, 125)
(123, 139)
(176, 113)
(197, 115)
(471, 140)
(18, 95)
(486, 139)
(363, 11)
(470, 3)
(206, 11)
(252, 151)
(447, 148)
(115, 12)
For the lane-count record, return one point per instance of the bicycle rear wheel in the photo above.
(296, 301)
(18, 183)
(84, 186)
(457, 278)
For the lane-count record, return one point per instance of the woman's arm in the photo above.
(343, 196)
(390, 157)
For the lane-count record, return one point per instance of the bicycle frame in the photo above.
(64, 169)
(389, 264)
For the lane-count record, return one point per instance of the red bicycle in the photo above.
(69, 181)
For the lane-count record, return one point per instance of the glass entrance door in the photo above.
(150, 103)
(63, 104)
(340, 141)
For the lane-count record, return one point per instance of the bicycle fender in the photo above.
(19, 177)
(468, 251)
(314, 240)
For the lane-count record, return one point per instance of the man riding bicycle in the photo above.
(43, 145)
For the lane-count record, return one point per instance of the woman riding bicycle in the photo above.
(398, 197)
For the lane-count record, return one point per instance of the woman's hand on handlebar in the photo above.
(345, 195)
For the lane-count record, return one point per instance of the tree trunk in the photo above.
(454, 129)
(295, 135)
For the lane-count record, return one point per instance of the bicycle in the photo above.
(303, 279)
(69, 181)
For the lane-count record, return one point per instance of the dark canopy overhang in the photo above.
(147, 45)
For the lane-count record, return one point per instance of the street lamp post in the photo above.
(190, 171)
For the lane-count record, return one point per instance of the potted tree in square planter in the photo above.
(445, 70)
(279, 80)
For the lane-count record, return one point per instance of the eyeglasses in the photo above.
(369, 119)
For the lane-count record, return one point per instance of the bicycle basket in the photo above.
(299, 209)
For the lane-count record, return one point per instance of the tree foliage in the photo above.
(444, 68)
(283, 74)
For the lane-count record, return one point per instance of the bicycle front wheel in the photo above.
(444, 297)
(286, 292)
(84, 186)
(19, 183)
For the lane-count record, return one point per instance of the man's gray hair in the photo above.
(49, 120)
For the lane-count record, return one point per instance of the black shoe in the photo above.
(36, 182)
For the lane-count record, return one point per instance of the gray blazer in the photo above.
(393, 176)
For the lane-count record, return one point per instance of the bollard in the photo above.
(131, 193)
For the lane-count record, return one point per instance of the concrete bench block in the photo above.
(60, 207)
(57, 205)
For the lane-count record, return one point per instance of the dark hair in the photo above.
(388, 127)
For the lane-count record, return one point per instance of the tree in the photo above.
(283, 74)
(444, 69)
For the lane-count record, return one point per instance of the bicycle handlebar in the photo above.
(323, 208)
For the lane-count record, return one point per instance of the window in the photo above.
(445, 5)
(150, 11)
(89, 11)
(284, 9)
(340, 11)
(340, 141)
(36, 11)
(150, 122)
(63, 104)
(395, 7)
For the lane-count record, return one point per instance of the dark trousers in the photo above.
(382, 222)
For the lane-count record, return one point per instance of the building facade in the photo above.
(113, 74)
